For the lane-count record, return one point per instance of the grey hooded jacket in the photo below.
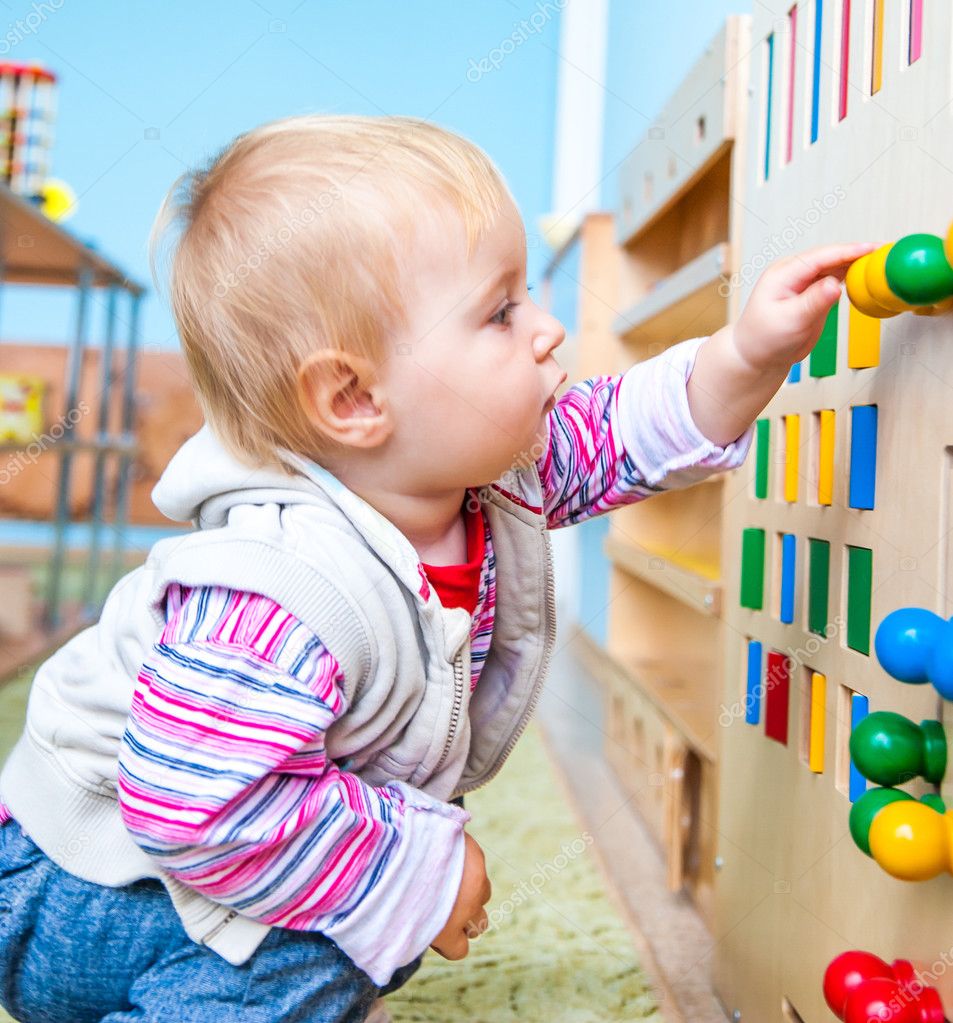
(353, 578)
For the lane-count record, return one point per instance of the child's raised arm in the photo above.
(615, 440)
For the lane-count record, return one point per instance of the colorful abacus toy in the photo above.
(910, 275)
(910, 839)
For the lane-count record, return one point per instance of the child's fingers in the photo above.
(818, 297)
(804, 268)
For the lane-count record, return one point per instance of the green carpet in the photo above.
(556, 949)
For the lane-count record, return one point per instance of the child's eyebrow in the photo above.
(510, 273)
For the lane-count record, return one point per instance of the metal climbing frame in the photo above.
(35, 250)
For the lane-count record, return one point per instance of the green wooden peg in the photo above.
(889, 749)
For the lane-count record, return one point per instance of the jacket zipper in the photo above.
(206, 938)
(538, 688)
(455, 711)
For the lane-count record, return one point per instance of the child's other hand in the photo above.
(468, 918)
(785, 312)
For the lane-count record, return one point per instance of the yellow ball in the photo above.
(948, 245)
(875, 277)
(59, 200)
(857, 290)
(911, 840)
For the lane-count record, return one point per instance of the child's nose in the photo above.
(549, 336)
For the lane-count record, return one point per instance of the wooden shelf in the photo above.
(687, 303)
(35, 250)
(680, 693)
(693, 582)
(698, 123)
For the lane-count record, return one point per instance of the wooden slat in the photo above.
(688, 303)
(682, 580)
(672, 690)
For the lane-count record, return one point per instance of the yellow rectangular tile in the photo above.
(792, 446)
(863, 340)
(825, 458)
(818, 714)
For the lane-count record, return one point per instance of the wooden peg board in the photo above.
(856, 456)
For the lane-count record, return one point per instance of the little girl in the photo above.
(238, 796)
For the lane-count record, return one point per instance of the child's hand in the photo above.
(785, 312)
(740, 367)
(468, 918)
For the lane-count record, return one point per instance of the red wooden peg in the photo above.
(859, 987)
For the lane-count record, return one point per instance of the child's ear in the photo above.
(342, 396)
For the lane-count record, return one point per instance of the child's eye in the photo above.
(502, 317)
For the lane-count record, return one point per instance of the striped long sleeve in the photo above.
(617, 439)
(225, 781)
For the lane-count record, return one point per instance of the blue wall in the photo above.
(148, 90)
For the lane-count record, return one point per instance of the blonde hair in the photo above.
(294, 239)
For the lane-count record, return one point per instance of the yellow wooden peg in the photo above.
(935, 310)
(858, 294)
(912, 841)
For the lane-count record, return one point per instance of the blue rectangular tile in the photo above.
(863, 456)
(858, 711)
(754, 688)
(788, 553)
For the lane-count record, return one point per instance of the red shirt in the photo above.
(459, 585)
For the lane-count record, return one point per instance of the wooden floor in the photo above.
(676, 946)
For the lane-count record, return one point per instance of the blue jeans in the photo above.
(76, 952)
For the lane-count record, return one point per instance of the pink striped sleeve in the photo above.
(615, 440)
(224, 779)
(656, 426)
(4, 813)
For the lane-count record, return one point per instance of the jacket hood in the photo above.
(204, 480)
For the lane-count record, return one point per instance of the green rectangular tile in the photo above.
(762, 457)
(819, 569)
(824, 354)
(752, 568)
(859, 586)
